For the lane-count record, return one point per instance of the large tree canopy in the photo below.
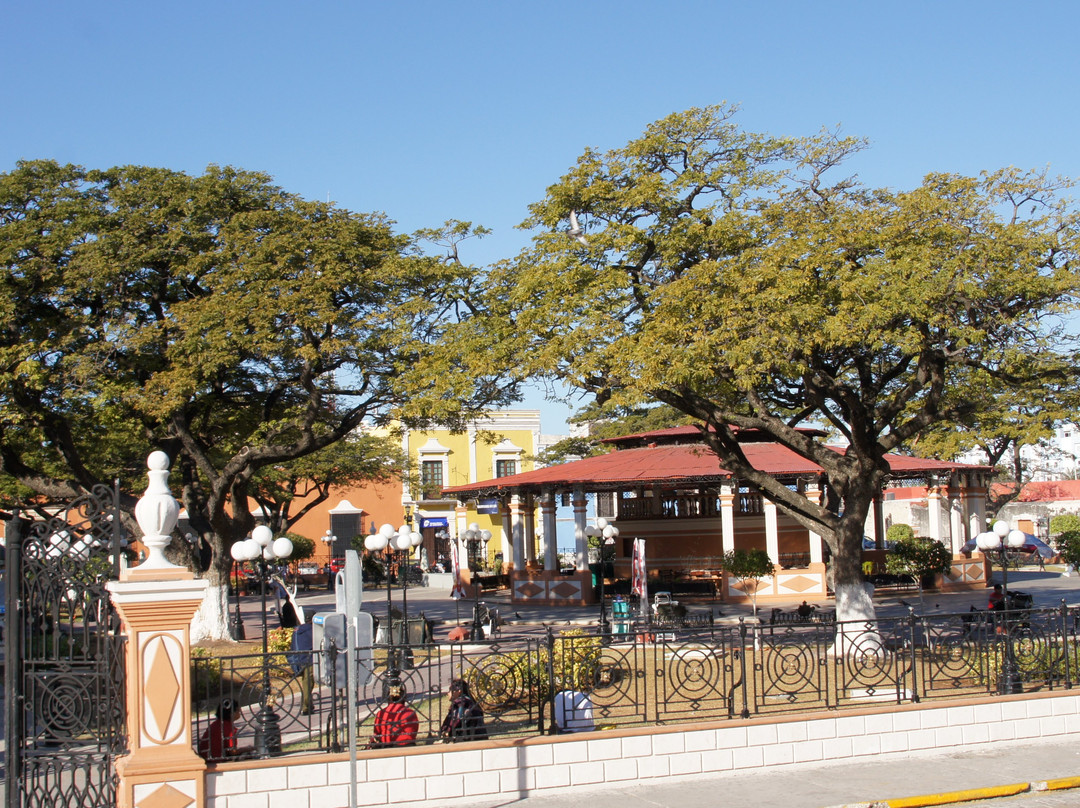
(236, 326)
(728, 275)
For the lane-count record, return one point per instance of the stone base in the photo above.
(551, 588)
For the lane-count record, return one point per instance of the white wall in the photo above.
(452, 775)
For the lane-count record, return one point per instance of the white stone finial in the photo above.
(157, 513)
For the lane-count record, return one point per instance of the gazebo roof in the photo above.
(679, 464)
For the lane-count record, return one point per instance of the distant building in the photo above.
(1055, 459)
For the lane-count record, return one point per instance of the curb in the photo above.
(969, 795)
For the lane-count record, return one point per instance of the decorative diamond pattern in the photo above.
(165, 797)
(529, 590)
(799, 583)
(567, 589)
(162, 686)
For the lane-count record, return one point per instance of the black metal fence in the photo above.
(577, 679)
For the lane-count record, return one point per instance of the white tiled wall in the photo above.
(445, 776)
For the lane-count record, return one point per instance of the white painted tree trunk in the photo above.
(211, 622)
(854, 610)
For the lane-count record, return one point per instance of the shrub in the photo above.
(1069, 547)
(516, 678)
(1065, 523)
(899, 532)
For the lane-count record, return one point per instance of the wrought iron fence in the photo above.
(578, 679)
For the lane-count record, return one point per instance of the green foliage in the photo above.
(206, 671)
(303, 547)
(899, 532)
(517, 678)
(1068, 545)
(918, 557)
(240, 328)
(1065, 523)
(748, 564)
(749, 282)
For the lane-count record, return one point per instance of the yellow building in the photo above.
(501, 444)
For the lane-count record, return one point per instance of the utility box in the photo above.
(328, 632)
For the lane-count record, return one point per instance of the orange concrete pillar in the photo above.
(157, 601)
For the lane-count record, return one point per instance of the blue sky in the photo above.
(469, 110)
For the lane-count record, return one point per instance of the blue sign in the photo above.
(433, 521)
(487, 506)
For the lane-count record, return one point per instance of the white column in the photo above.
(517, 533)
(933, 511)
(551, 540)
(508, 549)
(528, 524)
(727, 517)
(772, 533)
(813, 493)
(956, 517)
(581, 544)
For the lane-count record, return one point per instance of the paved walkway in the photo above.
(911, 781)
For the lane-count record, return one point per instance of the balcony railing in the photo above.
(687, 506)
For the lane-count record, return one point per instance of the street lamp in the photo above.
(388, 541)
(473, 537)
(262, 548)
(329, 539)
(996, 542)
(606, 533)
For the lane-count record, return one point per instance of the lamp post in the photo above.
(261, 548)
(474, 536)
(996, 542)
(388, 541)
(329, 539)
(606, 533)
(238, 621)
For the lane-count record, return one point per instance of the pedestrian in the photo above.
(299, 659)
(464, 719)
(573, 712)
(396, 724)
(218, 742)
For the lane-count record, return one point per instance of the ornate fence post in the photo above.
(157, 601)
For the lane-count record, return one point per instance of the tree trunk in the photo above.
(211, 621)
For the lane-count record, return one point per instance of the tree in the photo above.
(918, 557)
(749, 566)
(1064, 523)
(235, 326)
(899, 532)
(725, 274)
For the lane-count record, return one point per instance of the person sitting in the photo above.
(997, 599)
(573, 712)
(396, 724)
(804, 610)
(465, 719)
(218, 742)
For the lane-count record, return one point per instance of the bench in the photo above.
(791, 619)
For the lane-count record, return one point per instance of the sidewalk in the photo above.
(910, 781)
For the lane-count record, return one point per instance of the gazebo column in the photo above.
(975, 496)
(772, 533)
(817, 555)
(933, 512)
(515, 511)
(581, 543)
(528, 511)
(956, 517)
(509, 551)
(551, 542)
(727, 517)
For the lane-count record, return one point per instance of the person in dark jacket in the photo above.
(465, 719)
